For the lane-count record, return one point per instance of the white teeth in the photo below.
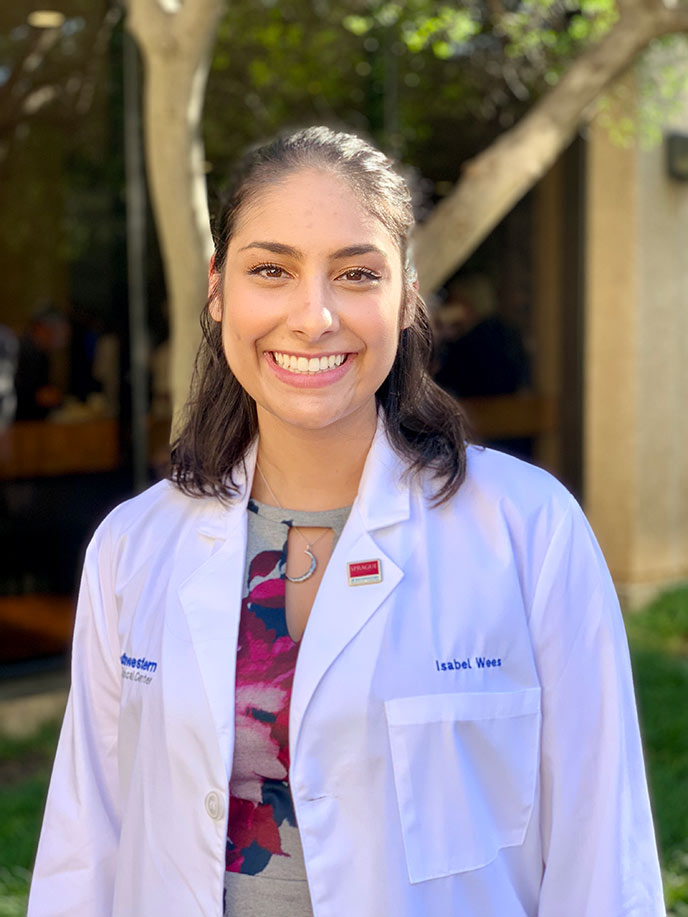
(306, 365)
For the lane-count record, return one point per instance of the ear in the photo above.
(214, 291)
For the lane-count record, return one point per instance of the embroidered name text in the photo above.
(455, 665)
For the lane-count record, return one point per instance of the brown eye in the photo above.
(360, 275)
(269, 271)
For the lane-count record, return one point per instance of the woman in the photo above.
(341, 664)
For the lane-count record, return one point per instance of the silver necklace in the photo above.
(309, 544)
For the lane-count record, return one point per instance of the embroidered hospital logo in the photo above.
(138, 669)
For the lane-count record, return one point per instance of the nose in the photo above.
(312, 309)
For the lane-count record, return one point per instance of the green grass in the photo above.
(658, 637)
(25, 769)
(14, 891)
(659, 647)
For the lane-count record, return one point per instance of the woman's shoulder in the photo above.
(498, 477)
(162, 510)
(161, 497)
(505, 497)
(513, 509)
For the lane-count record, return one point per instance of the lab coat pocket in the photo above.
(465, 769)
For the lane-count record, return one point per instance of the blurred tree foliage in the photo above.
(431, 82)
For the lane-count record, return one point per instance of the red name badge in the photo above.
(364, 572)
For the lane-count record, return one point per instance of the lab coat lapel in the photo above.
(340, 610)
(211, 595)
(211, 599)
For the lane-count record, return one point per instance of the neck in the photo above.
(311, 469)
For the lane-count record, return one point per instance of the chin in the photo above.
(318, 417)
(311, 421)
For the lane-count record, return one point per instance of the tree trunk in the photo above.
(175, 48)
(495, 180)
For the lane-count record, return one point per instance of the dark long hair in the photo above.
(424, 424)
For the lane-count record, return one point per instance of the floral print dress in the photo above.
(265, 872)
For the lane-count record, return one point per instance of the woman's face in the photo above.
(310, 302)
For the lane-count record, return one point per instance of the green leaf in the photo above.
(388, 14)
(359, 25)
(442, 49)
(579, 28)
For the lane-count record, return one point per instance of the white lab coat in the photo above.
(463, 734)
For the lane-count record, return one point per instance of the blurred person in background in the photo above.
(38, 391)
(479, 353)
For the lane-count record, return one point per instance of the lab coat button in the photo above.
(214, 805)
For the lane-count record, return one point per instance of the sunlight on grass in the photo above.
(14, 891)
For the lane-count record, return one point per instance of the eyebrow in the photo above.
(349, 251)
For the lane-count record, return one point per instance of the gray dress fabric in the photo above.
(280, 888)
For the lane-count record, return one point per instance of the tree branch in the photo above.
(176, 49)
(164, 29)
(100, 45)
(674, 20)
(495, 11)
(194, 16)
(150, 25)
(497, 178)
(11, 101)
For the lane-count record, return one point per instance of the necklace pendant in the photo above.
(308, 573)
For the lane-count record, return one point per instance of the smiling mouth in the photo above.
(308, 366)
